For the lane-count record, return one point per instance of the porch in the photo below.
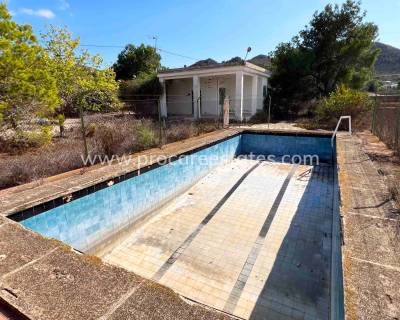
(200, 92)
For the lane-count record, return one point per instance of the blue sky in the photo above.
(199, 29)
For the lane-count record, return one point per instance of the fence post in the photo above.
(83, 131)
(160, 139)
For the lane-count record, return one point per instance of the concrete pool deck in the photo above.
(45, 279)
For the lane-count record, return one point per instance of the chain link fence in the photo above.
(386, 123)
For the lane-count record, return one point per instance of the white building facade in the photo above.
(199, 92)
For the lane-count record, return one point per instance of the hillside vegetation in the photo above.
(388, 61)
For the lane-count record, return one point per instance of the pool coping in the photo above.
(48, 252)
(369, 217)
(99, 175)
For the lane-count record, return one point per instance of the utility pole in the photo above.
(155, 46)
(155, 42)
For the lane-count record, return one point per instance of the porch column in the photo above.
(254, 94)
(239, 96)
(163, 99)
(196, 97)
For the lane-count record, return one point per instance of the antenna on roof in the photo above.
(247, 52)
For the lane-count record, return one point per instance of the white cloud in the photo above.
(63, 4)
(45, 13)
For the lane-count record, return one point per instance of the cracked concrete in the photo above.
(371, 252)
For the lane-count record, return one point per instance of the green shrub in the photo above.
(121, 136)
(143, 85)
(145, 137)
(94, 100)
(61, 122)
(60, 119)
(37, 139)
(91, 129)
(343, 102)
(24, 140)
(45, 135)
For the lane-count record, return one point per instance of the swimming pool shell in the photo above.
(89, 216)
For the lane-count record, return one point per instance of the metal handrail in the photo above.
(337, 127)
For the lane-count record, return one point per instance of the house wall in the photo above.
(209, 96)
(209, 93)
(179, 96)
(247, 95)
(228, 82)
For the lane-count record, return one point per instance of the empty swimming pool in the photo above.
(250, 236)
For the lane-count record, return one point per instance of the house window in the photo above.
(264, 91)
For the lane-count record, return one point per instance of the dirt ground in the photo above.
(385, 160)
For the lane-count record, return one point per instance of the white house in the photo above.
(199, 91)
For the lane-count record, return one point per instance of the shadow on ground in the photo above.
(298, 286)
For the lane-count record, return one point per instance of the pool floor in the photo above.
(251, 238)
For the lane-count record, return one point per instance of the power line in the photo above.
(177, 54)
(101, 46)
(158, 49)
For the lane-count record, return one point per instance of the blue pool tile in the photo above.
(89, 219)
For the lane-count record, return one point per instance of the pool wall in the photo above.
(281, 145)
(85, 223)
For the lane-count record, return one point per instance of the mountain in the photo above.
(261, 60)
(388, 61)
(233, 61)
(204, 63)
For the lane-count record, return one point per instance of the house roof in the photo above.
(210, 66)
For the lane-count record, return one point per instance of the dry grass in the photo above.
(35, 164)
(394, 189)
(179, 130)
(308, 124)
(105, 135)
